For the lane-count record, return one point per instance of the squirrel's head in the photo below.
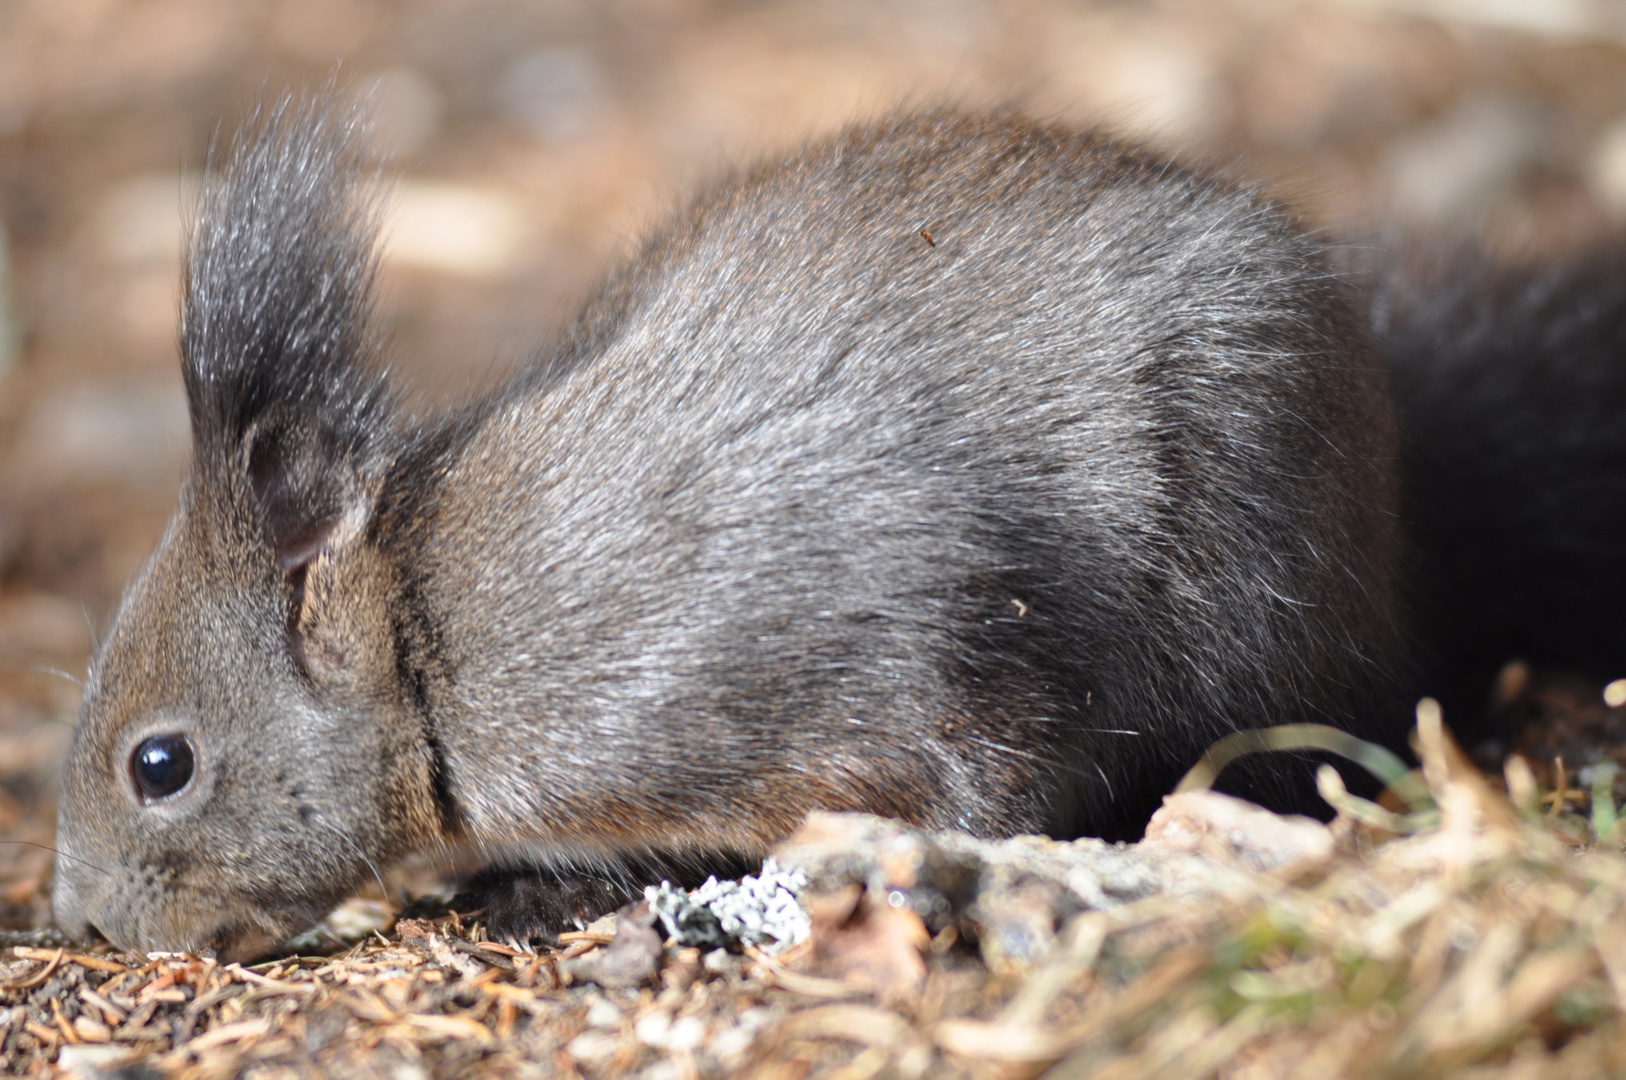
(245, 753)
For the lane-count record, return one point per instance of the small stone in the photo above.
(729, 1045)
(1212, 824)
(651, 1029)
(92, 1031)
(732, 1044)
(92, 1062)
(602, 1013)
(687, 1033)
(665, 1069)
(593, 1046)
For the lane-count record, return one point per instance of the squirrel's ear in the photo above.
(303, 486)
(287, 400)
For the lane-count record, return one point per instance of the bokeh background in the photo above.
(532, 140)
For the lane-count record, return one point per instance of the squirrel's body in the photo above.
(985, 532)
(960, 469)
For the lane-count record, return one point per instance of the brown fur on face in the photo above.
(200, 649)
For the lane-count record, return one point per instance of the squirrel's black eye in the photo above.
(162, 765)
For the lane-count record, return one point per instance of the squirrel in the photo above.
(958, 467)
(1508, 381)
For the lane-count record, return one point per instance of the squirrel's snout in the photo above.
(238, 944)
(69, 911)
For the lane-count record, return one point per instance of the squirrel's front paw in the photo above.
(537, 905)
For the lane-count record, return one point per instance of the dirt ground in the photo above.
(533, 141)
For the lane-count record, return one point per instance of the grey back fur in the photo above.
(957, 467)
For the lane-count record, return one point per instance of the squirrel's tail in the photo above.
(1511, 387)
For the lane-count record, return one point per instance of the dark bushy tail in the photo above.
(1511, 386)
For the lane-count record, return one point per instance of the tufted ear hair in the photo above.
(277, 339)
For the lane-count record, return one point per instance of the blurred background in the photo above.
(534, 139)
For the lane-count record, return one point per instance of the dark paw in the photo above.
(532, 905)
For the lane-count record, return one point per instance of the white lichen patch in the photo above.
(761, 911)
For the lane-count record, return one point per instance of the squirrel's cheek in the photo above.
(320, 655)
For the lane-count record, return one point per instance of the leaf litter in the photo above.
(1466, 928)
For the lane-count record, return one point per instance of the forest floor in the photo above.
(1476, 930)
(533, 142)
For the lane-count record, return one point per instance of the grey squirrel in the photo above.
(961, 468)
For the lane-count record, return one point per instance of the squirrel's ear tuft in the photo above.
(277, 337)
